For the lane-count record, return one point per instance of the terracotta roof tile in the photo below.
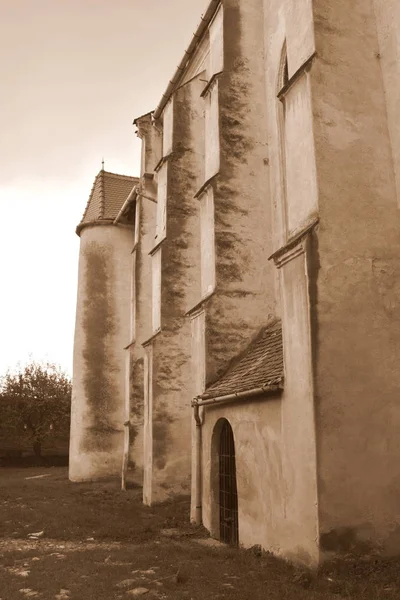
(108, 194)
(260, 365)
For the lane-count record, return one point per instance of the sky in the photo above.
(74, 74)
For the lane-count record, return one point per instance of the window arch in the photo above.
(224, 518)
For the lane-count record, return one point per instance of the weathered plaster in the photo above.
(263, 469)
(298, 423)
(257, 434)
(168, 467)
(357, 286)
(244, 298)
(388, 18)
(288, 24)
(102, 324)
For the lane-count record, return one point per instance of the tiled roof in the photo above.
(108, 194)
(261, 365)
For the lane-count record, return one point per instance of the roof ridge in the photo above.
(102, 195)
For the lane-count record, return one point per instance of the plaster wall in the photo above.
(256, 428)
(101, 333)
(355, 287)
(388, 18)
(268, 513)
(244, 297)
(298, 424)
(169, 471)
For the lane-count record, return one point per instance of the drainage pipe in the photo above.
(198, 487)
(265, 389)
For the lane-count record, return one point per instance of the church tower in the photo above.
(102, 329)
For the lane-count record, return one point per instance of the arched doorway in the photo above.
(228, 501)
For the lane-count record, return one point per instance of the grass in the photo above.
(96, 537)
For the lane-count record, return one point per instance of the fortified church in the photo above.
(238, 325)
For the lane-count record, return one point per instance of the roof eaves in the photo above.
(202, 26)
(93, 223)
(148, 114)
(268, 388)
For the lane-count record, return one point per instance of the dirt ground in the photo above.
(60, 540)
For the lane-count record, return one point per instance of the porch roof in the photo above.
(260, 366)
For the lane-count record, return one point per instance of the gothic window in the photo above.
(168, 127)
(207, 242)
(161, 216)
(216, 60)
(198, 352)
(212, 150)
(156, 290)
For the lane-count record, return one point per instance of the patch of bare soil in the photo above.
(60, 540)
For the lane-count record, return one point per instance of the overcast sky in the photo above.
(74, 74)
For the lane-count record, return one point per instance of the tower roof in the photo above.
(108, 194)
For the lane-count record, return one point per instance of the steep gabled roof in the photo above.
(108, 194)
(260, 366)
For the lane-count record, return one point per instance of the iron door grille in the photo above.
(228, 501)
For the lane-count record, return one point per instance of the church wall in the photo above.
(277, 504)
(257, 435)
(275, 442)
(355, 287)
(276, 500)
